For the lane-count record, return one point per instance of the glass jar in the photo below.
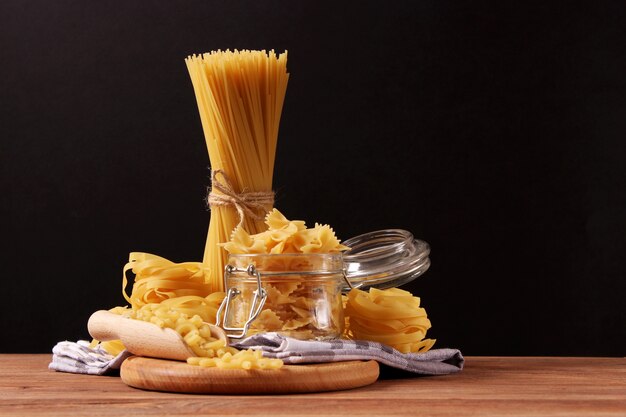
(299, 295)
(296, 295)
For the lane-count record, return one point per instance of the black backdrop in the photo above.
(494, 132)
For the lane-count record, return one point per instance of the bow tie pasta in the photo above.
(303, 301)
(284, 236)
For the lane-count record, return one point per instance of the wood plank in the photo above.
(488, 386)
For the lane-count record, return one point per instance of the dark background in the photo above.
(496, 132)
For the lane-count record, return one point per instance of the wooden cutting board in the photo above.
(173, 376)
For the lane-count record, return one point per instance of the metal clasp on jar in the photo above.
(260, 295)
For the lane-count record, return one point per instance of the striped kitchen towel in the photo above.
(292, 351)
(79, 358)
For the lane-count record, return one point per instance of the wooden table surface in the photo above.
(488, 386)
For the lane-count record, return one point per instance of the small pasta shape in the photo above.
(243, 359)
(284, 236)
(211, 352)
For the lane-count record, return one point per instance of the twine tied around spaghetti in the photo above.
(247, 203)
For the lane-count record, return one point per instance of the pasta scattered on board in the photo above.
(243, 359)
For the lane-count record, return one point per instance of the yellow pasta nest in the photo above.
(157, 279)
(392, 317)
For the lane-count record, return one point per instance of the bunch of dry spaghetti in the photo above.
(240, 96)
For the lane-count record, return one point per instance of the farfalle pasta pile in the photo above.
(284, 236)
(392, 317)
(309, 308)
(301, 302)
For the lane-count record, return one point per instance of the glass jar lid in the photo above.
(384, 259)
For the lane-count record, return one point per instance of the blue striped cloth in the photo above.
(79, 358)
(292, 351)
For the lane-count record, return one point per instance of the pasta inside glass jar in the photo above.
(296, 295)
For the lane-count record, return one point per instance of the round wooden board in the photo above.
(172, 376)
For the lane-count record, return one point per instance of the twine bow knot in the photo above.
(247, 203)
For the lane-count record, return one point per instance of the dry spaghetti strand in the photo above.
(240, 96)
